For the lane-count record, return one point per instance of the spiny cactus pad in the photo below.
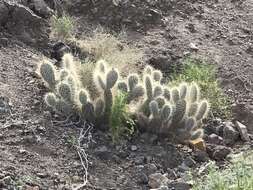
(47, 71)
(83, 96)
(64, 91)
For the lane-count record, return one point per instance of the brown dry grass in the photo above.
(112, 49)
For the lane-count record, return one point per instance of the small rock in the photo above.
(179, 185)
(200, 156)
(161, 188)
(2, 175)
(220, 152)
(171, 174)
(30, 139)
(42, 175)
(41, 8)
(3, 42)
(230, 135)
(193, 47)
(41, 129)
(134, 148)
(142, 178)
(189, 162)
(103, 153)
(149, 138)
(150, 168)
(183, 168)
(243, 131)
(59, 49)
(22, 151)
(139, 160)
(76, 179)
(215, 139)
(6, 181)
(198, 144)
(156, 180)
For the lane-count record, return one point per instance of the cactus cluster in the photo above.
(68, 97)
(175, 112)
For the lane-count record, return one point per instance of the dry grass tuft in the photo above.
(112, 49)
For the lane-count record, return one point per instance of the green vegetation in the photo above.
(62, 27)
(237, 176)
(120, 122)
(205, 76)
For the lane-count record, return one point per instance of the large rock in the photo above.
(242, 130)
(3, 13)
(230, 135)
(40, 8)
(220, 152)
(22, 23)
(244, 112)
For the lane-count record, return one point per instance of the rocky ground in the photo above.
(38, 153)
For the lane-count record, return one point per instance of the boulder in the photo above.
(220, 152)
(22, 23)
(242, 131)
(230, 135)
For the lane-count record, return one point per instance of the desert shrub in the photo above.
(237, 176)
(175, 112)
(121, 123)
(205, 76)
(111, 48)
(62, 27)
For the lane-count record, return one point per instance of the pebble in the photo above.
(156, 180)
(215, 139)
(171, 174)
(142, 178)
(193, 47)
(190, 162)
(179, 185)
(134, 148)
(150, 168)
(41, 175)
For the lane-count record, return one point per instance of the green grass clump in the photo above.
(205, 76)
(238, 176)
(120, 121)
(62, 27)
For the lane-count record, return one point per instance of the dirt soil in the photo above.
(35, 153)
